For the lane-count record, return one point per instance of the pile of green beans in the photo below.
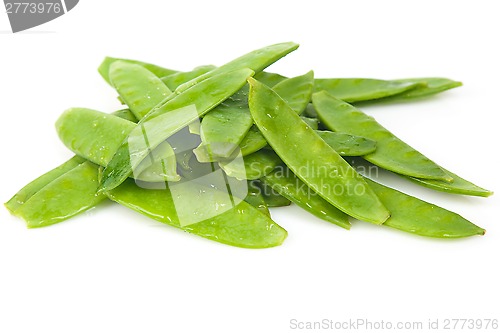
(210, 150)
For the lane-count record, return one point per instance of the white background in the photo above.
(113, 270)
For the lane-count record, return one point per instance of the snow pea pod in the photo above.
(457, 186)
(96, 136)
(65, 196)
(286, 133)
(312, 122)
(428, 86)
(297, 92)
(422, 218)
(391, 153)
(272, 197)
(254, 166)
(140, 89)
(255, 60)
(36, 185)
(156, 70)
(256, 199)
(358, 89)
(347, 144)
(242, 226)
(174, 80)
(292, 188)
(169, 118)
(269, 79)
(223, 128)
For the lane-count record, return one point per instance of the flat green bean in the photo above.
(170, 118)
(156, 70)
(242, 225)
(286, 132)
(391, 153)
(291, 187)
(422, 218)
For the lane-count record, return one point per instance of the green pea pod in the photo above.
(36, 185)
(170, 118)
(65, 196)
(357, 89)
(161, 165)
(223, 129)
(288, 185)
(296, 91)
(269, 79)
(252, 142)
(347, 144)
(422, 218)
(96, 136)
(254, 166)
(156, 70)
(312, 122)
(140, 89)
(272, 197)
(457, 186)
(427, 86)
(256, 199)
(242, 226)
(317, 165)
(174, 80)
(255, 60)
(391, 153)
(64, 174)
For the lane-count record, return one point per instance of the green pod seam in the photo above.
(316, 163)
(391, 154)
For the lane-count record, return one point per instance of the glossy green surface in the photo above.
(347, 144)
(242, 225)
(428, 86)
(291, 187)
(170, 118)
(92, 134)
(256, 60)
(312, 122)
(254, 166)
(36, 185)
(359, 89)
(422, 218)
(223, 128)
(316, 163)
(256, 199)
(140, 89)
(457, 186)
(156, 70)
(252, 142)
(172, 81)
(64, 197)
(272, 197)
(296, 91)
(391, 153)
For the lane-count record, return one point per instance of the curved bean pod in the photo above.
(140, 89)
(156, 70)
(242, 226)
(170, 118)
(391, 153)
(292, 188)
(174, 80)
(347, 144)
(286, 132)
(422, 218)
